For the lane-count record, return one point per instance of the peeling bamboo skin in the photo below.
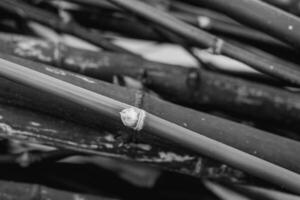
(28, 126)
(262, 144)
(189, 87)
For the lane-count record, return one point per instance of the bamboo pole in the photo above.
(34, 127)
(267, 18)
(29, 191)
(235, 95)
(291, 6)
(206, 40)
(29, 12)
(111, 108)
(232, 30)
(199, 11)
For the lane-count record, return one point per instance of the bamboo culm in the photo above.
(244, 97)
(25, 125)
(206, 40)
(291, 6)
(275, 149)
(110, 109)
(179, 6)
(232, 30)
(269, 19)
(49, 19)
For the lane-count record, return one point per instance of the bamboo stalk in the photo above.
(124, 25)
(33, 127)
(60, 176)
(26, 159)
(198, 11)
(29, 12)
(275, 149)
(235, 95)
(269, 19)
(17, 190)
(253, 192)
(232, 30)
(291, 6)
(207, 40)
(111, 108)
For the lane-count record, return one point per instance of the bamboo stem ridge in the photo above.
(206, 40)
(111, 108)
(267, 18)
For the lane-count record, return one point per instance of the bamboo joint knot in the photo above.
(133, 118)
(217, 46)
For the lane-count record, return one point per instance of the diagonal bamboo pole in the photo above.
(278, 150)
(206, 40)
(234, 95)
(29, 12)
(267, 18)
(150, 123)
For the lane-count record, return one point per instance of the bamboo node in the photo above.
(217, 46)
(133, 118)
(204, 22)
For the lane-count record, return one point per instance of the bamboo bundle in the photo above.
(100, 96)
(197, 86)
(269, 19)
(25, 125)
(87, 110)
(31, 13)
(219, 46)
(291, 6)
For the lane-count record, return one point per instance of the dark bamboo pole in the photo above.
(235, 95)
(26, 159)
(111, 109)
(206, 40)
(29, 12)
(180, 6)
(291, 6)
(273, 148)
(29, 191)
(267, 18)
(33, 127)
(233, 30)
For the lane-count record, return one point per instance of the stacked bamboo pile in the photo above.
(117, 99)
